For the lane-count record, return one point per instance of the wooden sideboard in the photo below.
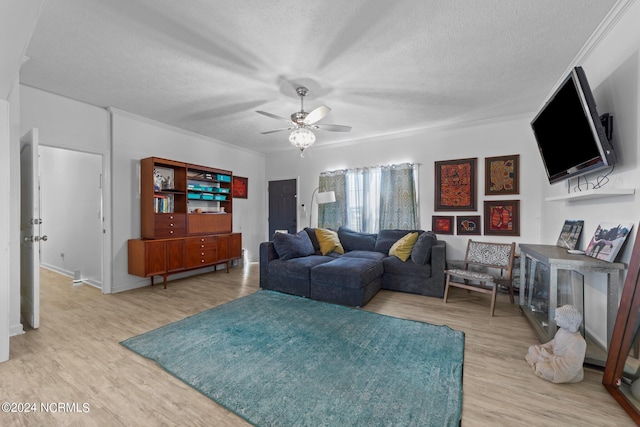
(162, 257)
(185, 219)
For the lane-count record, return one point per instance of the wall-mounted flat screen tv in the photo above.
(570, 134)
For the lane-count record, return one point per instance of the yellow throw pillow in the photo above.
(329, 241)
(402, 248)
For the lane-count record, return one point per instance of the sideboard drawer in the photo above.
(201, 251)
(170, 225)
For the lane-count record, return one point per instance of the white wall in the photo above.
(71, 211)
(65, 123)
(612, 66)
(480, 140)
(5, 320)
(135, 138)
(17, 21)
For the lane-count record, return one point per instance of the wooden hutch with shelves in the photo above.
(186, 216)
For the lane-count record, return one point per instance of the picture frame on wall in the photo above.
(502, 218)
(456, 185)
(502, 175)
(470, 225)
(442, 224)
(240, 187)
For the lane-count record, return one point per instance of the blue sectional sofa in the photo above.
(354, 272)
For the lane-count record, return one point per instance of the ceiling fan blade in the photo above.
(333, 128)
(276, 130)
(273, 116)
(316, 115)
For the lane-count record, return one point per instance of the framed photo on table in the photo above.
(502, 175)
(455, 185)
(502, 218)
(607, 240)
(570, 234)
(240, 187)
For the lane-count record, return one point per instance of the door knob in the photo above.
(36, 238)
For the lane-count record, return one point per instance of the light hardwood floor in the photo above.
(75, 357)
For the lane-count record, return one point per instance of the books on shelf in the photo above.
(163, 203)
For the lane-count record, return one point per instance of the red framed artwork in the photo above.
(442, 224)
(502, 218)
(455, 182)
(468, 225)
(502, 175)
(240, 187)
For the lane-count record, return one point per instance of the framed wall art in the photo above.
(502, 175)
(441, 224)
(502, 218)
(455, 185)
(240, 187)
(468, 225)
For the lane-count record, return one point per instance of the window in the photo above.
(370, 199)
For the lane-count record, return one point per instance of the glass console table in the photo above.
(551, 277)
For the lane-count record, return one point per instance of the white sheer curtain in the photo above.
(365, 203)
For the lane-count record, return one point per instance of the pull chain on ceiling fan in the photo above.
(302, 123)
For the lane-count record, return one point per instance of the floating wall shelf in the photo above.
(593, 194)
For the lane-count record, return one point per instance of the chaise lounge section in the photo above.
(350, 267)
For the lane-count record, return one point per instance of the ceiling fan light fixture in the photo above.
(302, 138)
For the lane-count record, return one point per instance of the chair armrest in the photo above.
(439, 260)
(267, 254)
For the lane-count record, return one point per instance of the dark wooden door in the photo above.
(282, 206)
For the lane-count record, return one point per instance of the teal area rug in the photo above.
(281, 360)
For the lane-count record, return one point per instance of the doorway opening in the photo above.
(71, 209)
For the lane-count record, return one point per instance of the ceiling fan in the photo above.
(302, 123)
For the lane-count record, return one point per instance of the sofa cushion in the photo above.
(394, 266)
(314, 239)
(403, 247)
(347, 272)
(298, 268)
(365, 254)
(329, 241)
(421, 253)
(290, 246)
(386, 238)
(356, 241)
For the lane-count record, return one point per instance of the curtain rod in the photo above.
(372, 167)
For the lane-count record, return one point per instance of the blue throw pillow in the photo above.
(314, 239)
(290, 246)
(421, 253)
(356, 241)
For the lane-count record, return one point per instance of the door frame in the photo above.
(105, 207)
(266, 201)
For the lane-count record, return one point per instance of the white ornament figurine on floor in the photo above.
(560, 360)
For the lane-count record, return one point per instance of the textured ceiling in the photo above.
(382, 66)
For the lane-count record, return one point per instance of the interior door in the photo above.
(30, 223)
(282, 206)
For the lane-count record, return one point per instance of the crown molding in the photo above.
(117, 112)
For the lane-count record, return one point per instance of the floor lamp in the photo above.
(321, 199)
